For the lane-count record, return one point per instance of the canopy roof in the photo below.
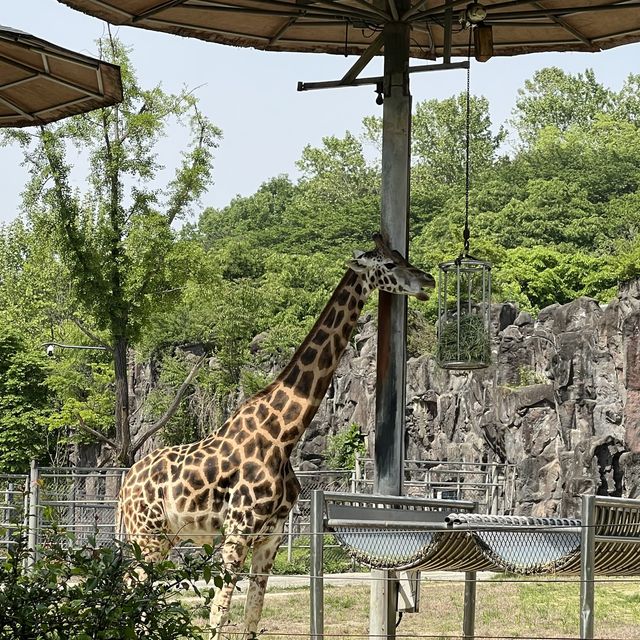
(41, 82)
(350, 26)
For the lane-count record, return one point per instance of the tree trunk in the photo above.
(123, 433)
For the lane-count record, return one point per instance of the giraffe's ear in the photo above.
(357, 264)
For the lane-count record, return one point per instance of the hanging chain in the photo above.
(466, 233)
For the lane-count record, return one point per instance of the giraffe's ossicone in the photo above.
(239, 479)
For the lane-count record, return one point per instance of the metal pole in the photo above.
(587, 567)
(469, 619)
(317, 551)
(290, 537)
(32, 538)
(6, 518)
(392, 309)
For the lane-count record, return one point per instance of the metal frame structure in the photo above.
(606, 541)
(466, 309)
(492, 485)
(489, 485)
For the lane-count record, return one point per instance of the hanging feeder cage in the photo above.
(464, 314)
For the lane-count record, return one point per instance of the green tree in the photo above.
(555, 98)
(256, 219)
(439, 138)
(336, 205)
(24, 405)
(116, 238)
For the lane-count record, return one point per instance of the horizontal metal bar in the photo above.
(84, 503)
(617, 539)
(448, 462)
(397, 500)
(357, 82)
(89, 525)
(506, 528)
(610, 501)
(443, 66)
(72, 470)
(387, 524)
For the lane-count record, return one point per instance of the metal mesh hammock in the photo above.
(432, 540)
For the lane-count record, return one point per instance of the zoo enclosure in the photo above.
(83, 500)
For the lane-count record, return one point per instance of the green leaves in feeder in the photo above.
(465, 344)
(464, 321)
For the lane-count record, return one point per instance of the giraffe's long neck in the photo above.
(305, 380)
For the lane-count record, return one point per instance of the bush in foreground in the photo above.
(79, 593)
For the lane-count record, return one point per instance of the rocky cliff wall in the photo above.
(561, 402)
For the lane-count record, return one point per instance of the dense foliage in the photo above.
(555, 206)
(75, 592)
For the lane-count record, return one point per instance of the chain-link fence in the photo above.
(83, 501)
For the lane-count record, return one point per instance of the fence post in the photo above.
(469, 616)
(495, 479)
(290, 536)
(118, 524)
(32, 538)
(587, 567)
(317, 579)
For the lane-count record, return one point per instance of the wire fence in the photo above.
(83, 501)
(14, 491)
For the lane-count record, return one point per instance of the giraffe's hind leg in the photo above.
(153, 546)
(264, 553)
(234, 553)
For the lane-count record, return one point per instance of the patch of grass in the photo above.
(504, 608)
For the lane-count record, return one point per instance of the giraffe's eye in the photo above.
(389, 265)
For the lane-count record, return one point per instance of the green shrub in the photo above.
(342, 448)
(72, 593)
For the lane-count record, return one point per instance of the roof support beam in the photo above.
(565, 25)
(363, 61)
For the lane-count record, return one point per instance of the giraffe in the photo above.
(239, 480)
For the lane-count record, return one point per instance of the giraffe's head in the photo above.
(387, 270)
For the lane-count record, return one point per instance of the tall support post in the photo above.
(469, 617)
(317, 572)
(32, 538)
(392, 310)
(587, 567)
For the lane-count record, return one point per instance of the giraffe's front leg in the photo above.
(234, 552)
(264, 553)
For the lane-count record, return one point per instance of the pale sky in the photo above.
(251, 95)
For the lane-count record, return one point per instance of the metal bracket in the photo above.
(357, 82)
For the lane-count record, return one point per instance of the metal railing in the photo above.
(491, 485)
(14, 490)
(83, 501)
